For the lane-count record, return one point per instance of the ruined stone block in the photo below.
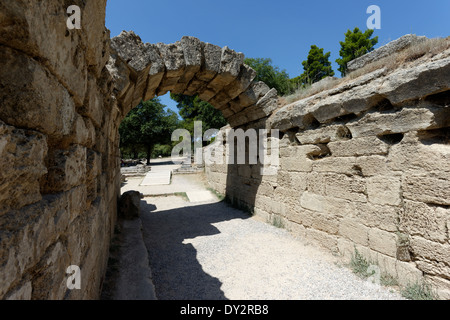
(383, 242)
(67, 169)
(354, 231)
(423, 220)
(407, 119)
(384, 190)
(344, 187)
(42, 102)
(358, 147)
(383, 217)
(22, 155)
(424, 188)
(332, 206)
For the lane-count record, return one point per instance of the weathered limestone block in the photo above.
(42, 102)
(383, 242)
(193, 56)
(66, 169)
(354, 231)
(98, 37)
(290, 116)
(414, 83)
(408, 119)
(420, 219)
(325, 222)
(227, 113)
(50, 282)
(254, 92)
(94, 103)
(328, 109)
(426, 249)
(344, 187)
(440, 285)
(329, 205)
(132, 50)
(384, 51)
(377, 216)
(32, 231)
(424, 188)
(384, 190)
(210, 67)
(93, 170)
(373, 165)
(418, 156)
(435, 268)
(120, 74)
(242, 82)
(324, 134)
(322, 238)
(344, 165)
(359, 147)
(22, 157)
(298, 159)
(156, 73)
(408, 273)
(23, 28)
(230, 67)
(269, 102)
(220, 100)
(173, 57)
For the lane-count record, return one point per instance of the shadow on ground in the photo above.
(177, 274)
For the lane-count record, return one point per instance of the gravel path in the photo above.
(212, 251)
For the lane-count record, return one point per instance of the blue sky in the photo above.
(282, 30)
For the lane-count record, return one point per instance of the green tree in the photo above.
(356, 44)
(270, 75)
(317, 66)
(192, 109)
(145, 126)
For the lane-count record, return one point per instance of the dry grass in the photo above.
(422, 49)
(310, 90)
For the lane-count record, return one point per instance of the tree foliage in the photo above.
(270, 75)
(316, 67)
(192, 109)
(145, 126)
(356, 44)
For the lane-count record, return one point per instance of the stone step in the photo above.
(157, 178)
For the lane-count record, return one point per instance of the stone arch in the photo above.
(218, 75)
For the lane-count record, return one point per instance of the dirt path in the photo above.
(208, 250)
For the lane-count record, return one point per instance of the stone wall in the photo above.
(364, 165)
(63, 94)
(59, 156)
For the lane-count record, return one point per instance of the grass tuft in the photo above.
(419, 291)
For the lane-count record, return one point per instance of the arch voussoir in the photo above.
(217, 75)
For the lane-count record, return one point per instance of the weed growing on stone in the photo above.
(277, 222)
(219, 196)
(419, 291)
(183, 195)
(359, 265)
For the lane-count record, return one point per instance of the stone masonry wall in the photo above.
(63, 94)
(59, 156)
(365, 165)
